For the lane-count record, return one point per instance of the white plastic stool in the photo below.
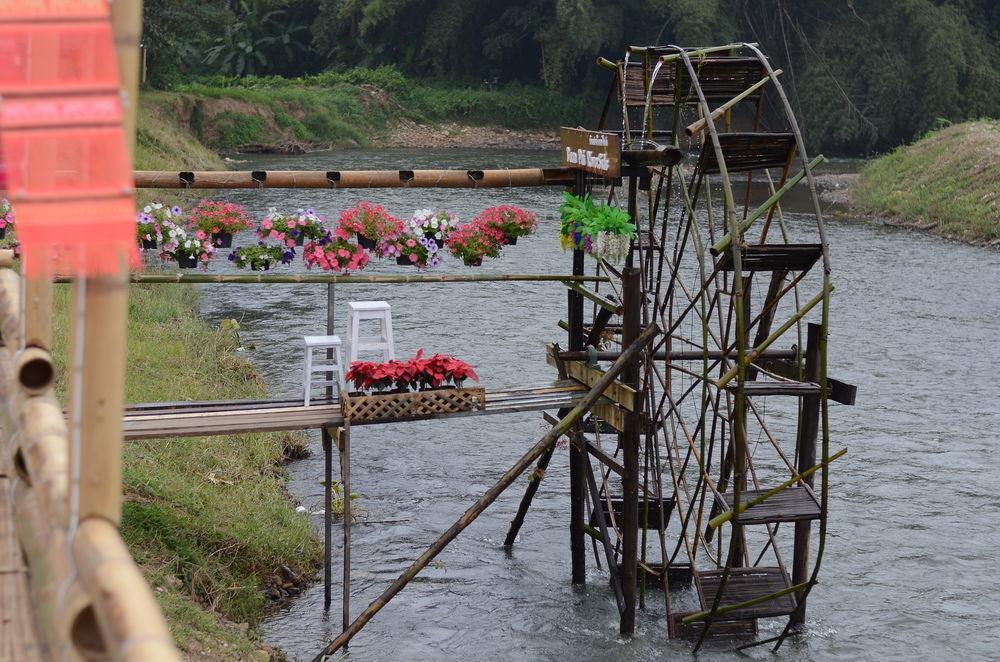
(370, 310)
(322, 366)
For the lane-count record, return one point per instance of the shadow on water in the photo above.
(909, 571)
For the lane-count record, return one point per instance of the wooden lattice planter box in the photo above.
(417, 404)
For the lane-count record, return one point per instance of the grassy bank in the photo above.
(207, 519)
(350, 108)
(946, 183)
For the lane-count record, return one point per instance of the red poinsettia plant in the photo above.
(417, 373)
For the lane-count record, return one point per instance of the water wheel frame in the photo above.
(713, 483)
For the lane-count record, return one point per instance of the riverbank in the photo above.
(207, 519)
(361, 108)
(946, 183)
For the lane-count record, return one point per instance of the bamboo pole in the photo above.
(60, 604)
(10, 309)
(280, 279)
(671, 57)
(352, 179)
(629, 441)
(38, 310)
(126, 611)
(699, 125)
(536, 451)
(7, 258)
(721, 611)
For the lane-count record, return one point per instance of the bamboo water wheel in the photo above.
(735, 440)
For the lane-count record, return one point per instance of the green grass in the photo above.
(945, 182)
(352, 107)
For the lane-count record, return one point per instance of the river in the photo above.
(910, 570)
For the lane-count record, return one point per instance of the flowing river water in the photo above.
(910, 570)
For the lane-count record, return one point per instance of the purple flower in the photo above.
(431, 245)
(435, 261)
(232, 256)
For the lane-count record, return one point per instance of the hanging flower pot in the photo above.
(474, 262)
(365, 242)
(222, 239)
(404, 261)
(187, 261)
(3, 233)
(510, 239)
(147, 244)
(260, 265)
(260, 257)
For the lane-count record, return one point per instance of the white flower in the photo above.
(147, 209)
(434, 223)
(157, 205)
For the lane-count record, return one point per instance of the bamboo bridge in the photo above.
(673, 362)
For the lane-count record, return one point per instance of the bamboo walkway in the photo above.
(194, 419)
(19, 638)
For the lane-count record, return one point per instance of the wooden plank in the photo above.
(145, 422)
(608, 304)
(840, 392)
(616, 392)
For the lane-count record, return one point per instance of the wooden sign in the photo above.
(598, 152)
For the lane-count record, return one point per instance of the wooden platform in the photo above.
(745, 584)
(792, 505)
(774, 257)
(160, 420)
(749, 151)
(19, 638)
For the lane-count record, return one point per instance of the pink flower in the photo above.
(413, 257)
(273, 234)
(290, 243)
(200, 235)
(266, 224)
(411, 243)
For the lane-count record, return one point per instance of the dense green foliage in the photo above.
(946, 182)
(864, 74)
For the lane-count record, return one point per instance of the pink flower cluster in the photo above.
(335, 253)
(215, 217)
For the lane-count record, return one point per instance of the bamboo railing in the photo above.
(90, 599)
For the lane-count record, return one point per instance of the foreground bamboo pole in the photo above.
(595, 393)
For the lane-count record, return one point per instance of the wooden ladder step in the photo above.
(748, 151)
(773, 257)
(745, 584)
(719, 629)
(775, 388)
(794, 504)
(721, 78)
(652, 518)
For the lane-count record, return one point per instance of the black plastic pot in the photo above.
(147, 244)
(478, 262)
(404, 261)
(510, 239)
(187, 262)
(365, 242)
(260, 266)
(222, 240)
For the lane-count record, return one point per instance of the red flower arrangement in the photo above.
(418, 373)
(371, 222)
(215, 217)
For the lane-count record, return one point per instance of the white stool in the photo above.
(322, 366)
(370, 310)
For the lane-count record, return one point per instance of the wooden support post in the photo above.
(328, 466)
(577, 465)
(327, 518)
(806, 449)
(345, 483)
(529, 494)
(632, 294)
